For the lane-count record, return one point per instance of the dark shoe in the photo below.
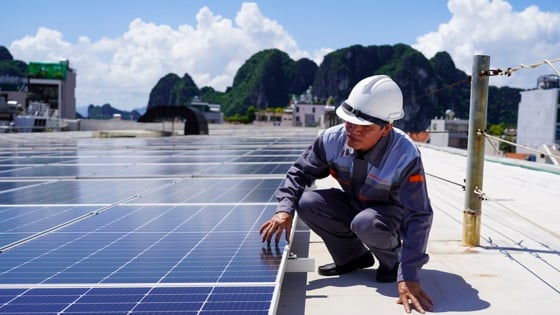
(332, 269)
(387, 275)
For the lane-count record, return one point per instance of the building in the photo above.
(449, 131)
(53, 84)
(212, 112)
(304, 111)
(13, 89)
(274, 117)
(452, 132)
(538, 122)
(307, 112)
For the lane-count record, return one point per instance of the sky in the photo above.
(121, 48)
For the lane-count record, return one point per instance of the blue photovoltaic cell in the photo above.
(178, 170)
(11, 185)
(51, 170)
(285, 159)
(173, 244)
(105, 192)
(27, 160)
(141, 226)
(81, 192)
(151, 159)
(165, 300)
(17, 223)
(231, 190)
(278, 152)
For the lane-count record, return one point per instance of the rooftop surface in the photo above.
(515, 270)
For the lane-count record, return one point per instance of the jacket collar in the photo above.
(375, 155)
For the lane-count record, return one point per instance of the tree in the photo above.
(251, 114)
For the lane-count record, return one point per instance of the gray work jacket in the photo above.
(395, 177)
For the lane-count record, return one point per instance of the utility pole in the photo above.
(475, 150)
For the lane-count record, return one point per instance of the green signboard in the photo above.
(53, 71)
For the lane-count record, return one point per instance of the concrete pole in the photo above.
(475, 151)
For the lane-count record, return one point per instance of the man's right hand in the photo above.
(280, 223)
(411, 293)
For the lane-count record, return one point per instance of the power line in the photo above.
(518, 145)
(510, 70)
(432, 92)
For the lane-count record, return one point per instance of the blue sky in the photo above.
(346, 23)
(120, 48)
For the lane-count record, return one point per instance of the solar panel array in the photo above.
(142, 225)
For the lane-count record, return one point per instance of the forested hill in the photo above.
(270, 78)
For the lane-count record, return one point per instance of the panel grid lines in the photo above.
(133, 226)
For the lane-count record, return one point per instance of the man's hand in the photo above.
(279, 223)
(412, 293)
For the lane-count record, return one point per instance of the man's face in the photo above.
(362, 138)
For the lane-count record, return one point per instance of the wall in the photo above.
(115, 124)
(536, 122)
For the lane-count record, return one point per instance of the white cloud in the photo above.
(122, 71)
(510, 38)
(47, 44)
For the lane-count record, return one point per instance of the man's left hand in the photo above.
(412, 293)
(279, 223)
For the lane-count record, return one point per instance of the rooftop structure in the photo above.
(538, 121)
(212, 112)
(449, 131)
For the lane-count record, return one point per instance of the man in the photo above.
(382, 210)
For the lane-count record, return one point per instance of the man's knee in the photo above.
(308, 200)
(372, 229)
(368, 221)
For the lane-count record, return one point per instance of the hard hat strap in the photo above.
(365, 116)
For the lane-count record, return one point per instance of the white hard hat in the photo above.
(373, 100)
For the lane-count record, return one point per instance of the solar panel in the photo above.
(141, 226)
(149, 300)
(20, 223)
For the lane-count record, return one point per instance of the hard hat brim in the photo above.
(347, 116)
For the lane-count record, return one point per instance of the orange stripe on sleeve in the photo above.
(416, 178)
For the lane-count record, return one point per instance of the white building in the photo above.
(309, 115)
(307, 112)
(302, 112)
(449, 131)
(538, 122)
(446, 132)
(452, 132)
(274, 117)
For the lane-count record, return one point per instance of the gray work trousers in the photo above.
(350, 232)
